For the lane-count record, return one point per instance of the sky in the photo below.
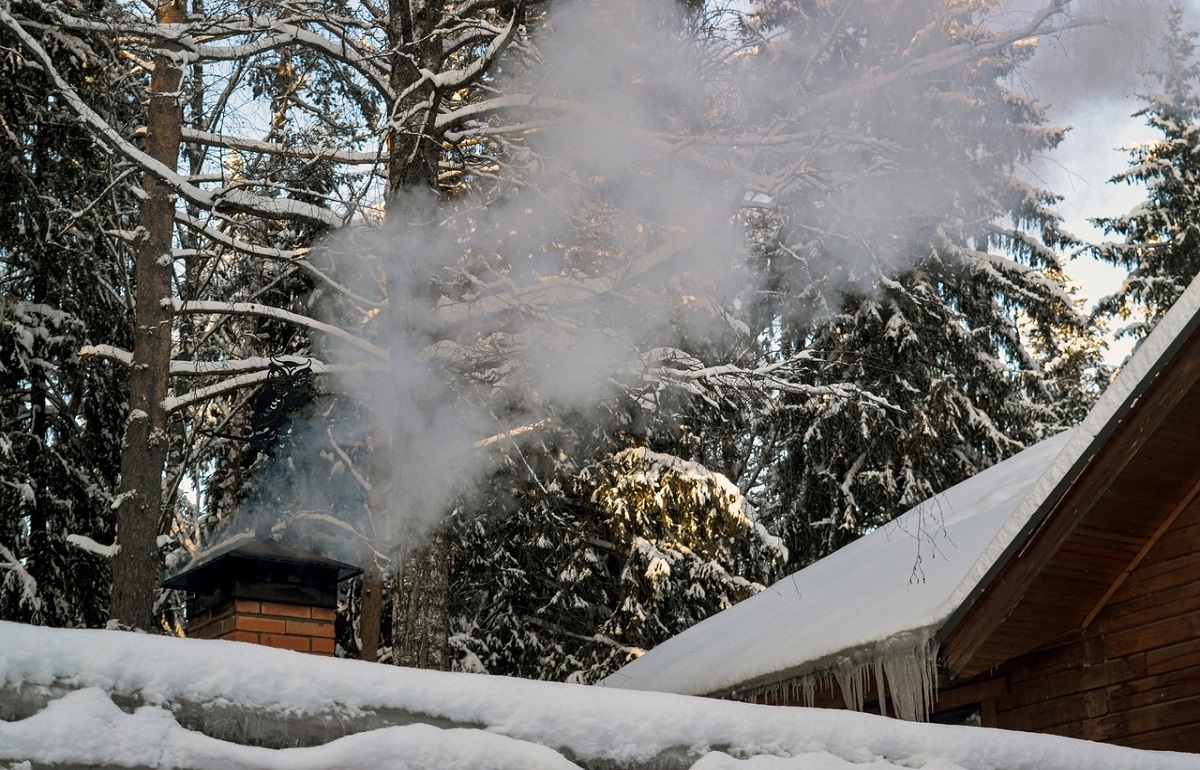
(1090, 80)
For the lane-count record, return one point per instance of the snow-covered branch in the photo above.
(85, 543)
(457, 78)
(110, 352)
(298, 257)
(245, 144)
(691, 375)
(229, 199)
(254, 378)
(16, 570)
(193, 41)
(266, 311)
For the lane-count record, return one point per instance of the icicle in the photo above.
(912, 678)
(808, 687)
(852, 681)
(882, 690)
(905, 666)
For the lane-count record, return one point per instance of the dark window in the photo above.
(969, 714)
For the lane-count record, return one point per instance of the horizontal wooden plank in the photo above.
(1148, 637)
(1173, 657)
(1120, 726)
(1149, 608)
(1183, 539)
(1080, 550)
(1180, 738)
(1067, 712)
(1104, 537)
(1053, 660)
(1172, 687)
(1078, 679)
(974, 692)
(1160, 575)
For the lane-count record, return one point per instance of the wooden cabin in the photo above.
(1066, 601)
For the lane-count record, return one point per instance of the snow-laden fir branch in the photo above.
(691, 375)
(251, 379)
(109, 352)
(85, 543)
(29, 590)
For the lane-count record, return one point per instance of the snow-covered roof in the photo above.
(113, 699)
(881, 602)
(893, 587)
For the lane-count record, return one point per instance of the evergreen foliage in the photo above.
(1161, 246)
(574, 573)
(660, 398)
(64, 284)
(927, 274)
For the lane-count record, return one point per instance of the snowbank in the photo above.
(115, 699)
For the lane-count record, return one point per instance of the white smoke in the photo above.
(620, 234)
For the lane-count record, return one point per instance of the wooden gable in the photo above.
(1094, 623)
(1131, 491)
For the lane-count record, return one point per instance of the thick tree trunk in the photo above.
(420, 619)
(136, 566)
(413, 148)
(371, 610)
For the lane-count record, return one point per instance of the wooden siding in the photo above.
(1100, 531)
(1132, 677)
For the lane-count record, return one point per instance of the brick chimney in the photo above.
(263, 592)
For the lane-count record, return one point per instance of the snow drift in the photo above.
(75, 698)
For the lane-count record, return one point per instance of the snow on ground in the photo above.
(60, 688)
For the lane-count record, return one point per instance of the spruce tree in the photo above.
(898, 324)
(926, 272)
(1161, 237)
(64, 284)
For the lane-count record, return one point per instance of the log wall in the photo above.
(1132, 677)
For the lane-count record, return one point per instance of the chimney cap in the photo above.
(206, 569)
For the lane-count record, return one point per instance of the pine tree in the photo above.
(574, 570)
(1161, 246)
(889, 335)
(64, 284)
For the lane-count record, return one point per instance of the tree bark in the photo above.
(420, 619)
(370, 612)
(413, 148)
(139, 513)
